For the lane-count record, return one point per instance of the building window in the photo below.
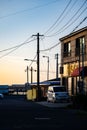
(67, 49)
(80, 45)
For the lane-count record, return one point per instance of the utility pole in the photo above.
(38, 66)
(47, 66)
(32, 73)
(48, 70)
(79, 63)
(83, 67)
(27, 75)
(56, 57)
(30, 69)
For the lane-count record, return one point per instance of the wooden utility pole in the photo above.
(32, 73)
(38, 66)
(56, 57)
(27, 75)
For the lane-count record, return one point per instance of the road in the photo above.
(17, 113)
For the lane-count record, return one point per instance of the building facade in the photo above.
(74, 61)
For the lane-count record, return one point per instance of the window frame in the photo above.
(67, 49)
(78, 45)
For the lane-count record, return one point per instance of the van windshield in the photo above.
(59, 89)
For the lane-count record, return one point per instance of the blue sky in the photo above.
(20, 19)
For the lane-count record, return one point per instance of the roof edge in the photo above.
(73, 33)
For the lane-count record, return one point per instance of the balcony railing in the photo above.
(79, 52)
(67, 54)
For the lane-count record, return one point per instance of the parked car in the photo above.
(1, 96)
(57, 93)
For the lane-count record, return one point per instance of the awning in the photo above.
(76, 72)
(81, 71)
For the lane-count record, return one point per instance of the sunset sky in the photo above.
(20, 19)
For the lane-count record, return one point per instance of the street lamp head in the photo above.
(30, 60)
(44, 56)
(26, 59)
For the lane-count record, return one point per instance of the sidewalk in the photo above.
(54, 105)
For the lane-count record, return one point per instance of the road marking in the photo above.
(42, 118)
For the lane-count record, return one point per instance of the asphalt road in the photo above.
(17, 113)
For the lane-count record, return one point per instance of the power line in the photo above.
(22, 11)
(62, 19)
(74, 20)
(33, 60)
(14, 48)
(25, 42)
(58, 17)
(70, 22)
(79, 24)
(52, 47)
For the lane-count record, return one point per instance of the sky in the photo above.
(20, 20)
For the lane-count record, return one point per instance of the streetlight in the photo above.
(27, 74)
(30, 60)
(47, 66)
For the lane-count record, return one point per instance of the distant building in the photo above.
(74, 61)
(4, 89)
(17, 89)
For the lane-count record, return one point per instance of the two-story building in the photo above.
(74, 61)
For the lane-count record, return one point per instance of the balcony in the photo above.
(67, 54)
(77, 53)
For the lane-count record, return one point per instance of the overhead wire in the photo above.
(58, 17)
(79, 24)
(48, 49)
(52, 47)
(36, 7)
(33, 60)
(14, 48)
(25, 42)
(70, 22)
(66, 12)
(73, 21)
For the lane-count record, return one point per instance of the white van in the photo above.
(57, 94)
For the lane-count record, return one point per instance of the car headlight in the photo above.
(53, 95)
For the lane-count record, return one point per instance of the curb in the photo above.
(54, 105)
